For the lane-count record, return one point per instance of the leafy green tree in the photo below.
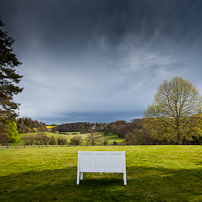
(12, 131)
(8, 77)
(174, 115)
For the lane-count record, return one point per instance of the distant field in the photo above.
(154, 173)
(50, 127)
(69, 135)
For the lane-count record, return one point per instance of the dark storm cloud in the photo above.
(78, 23)
(72, 26)
(101, 55)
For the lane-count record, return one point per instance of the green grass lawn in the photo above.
(154, 173)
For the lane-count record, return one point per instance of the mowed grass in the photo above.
(154, 173)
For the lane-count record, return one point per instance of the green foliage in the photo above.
(174, 117)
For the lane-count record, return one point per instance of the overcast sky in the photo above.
(101, 60)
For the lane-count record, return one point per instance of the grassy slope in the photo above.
(154, 173)
(110, 136)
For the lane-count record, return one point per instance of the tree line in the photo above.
(26, 125)
(137, 132)
(174, 117)
(82, 127)
(42, 139)
(133, 132)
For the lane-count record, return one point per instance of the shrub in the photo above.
(130, 139)
(62, 141)
(4, 138)
(28, 139)
(105, 141)
(34, 130)
(41, 138)
(52, 140)
(115, 143)
(45, 140)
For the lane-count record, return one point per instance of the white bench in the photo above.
(101, 162)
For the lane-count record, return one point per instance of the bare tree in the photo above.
(92, 138)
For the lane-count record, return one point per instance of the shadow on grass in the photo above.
(144, 184)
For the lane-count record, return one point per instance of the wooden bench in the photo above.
(101, 162)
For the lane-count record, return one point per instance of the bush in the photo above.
(76, 140)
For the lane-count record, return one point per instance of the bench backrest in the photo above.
(102, 161)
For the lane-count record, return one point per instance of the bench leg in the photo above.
(124, 178)
(77, 181)
(81, 176)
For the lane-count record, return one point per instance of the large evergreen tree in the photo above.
(8, 77)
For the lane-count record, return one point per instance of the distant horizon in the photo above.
(59, 122)
(91, 122)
